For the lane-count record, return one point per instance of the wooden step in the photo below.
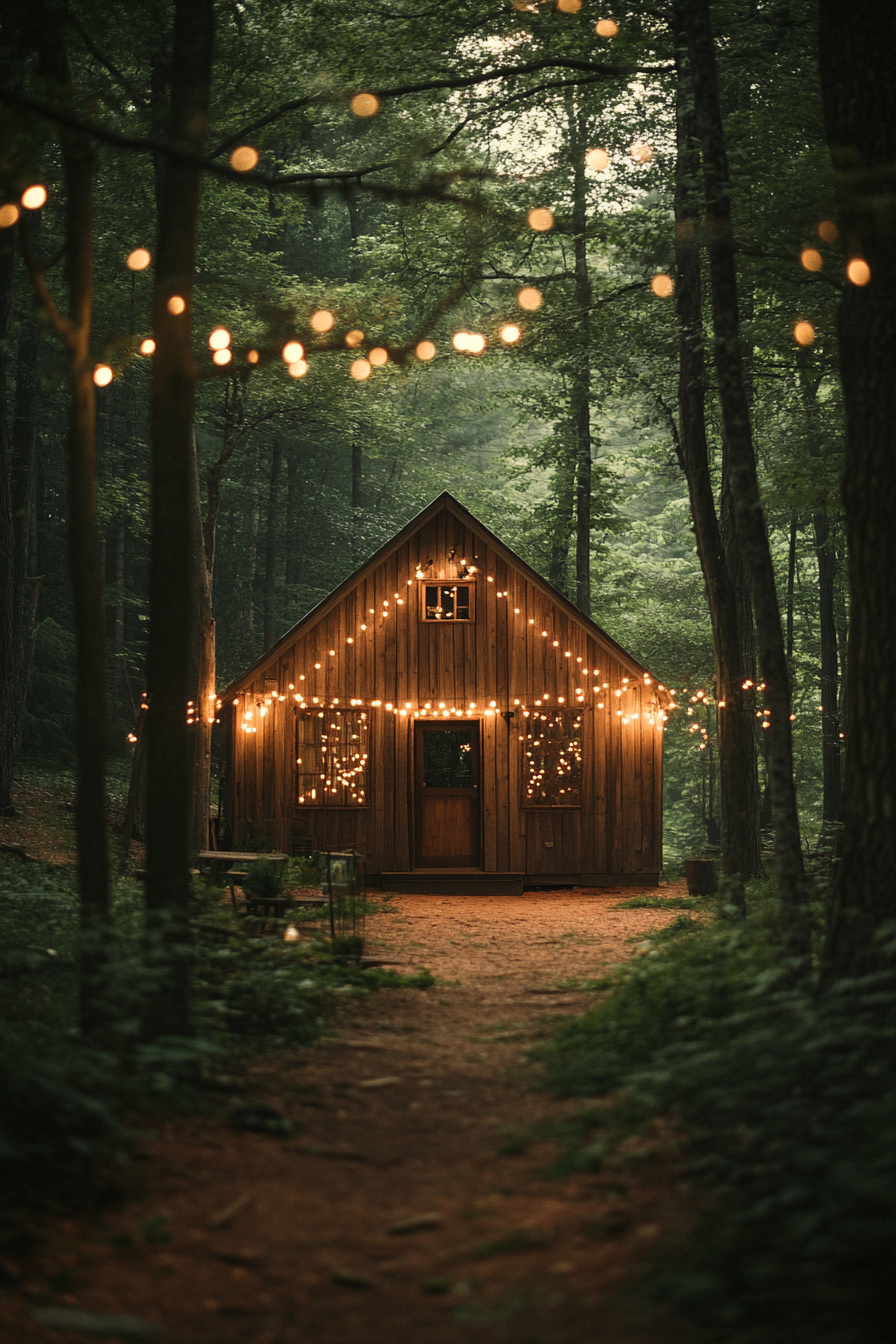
(453, 882)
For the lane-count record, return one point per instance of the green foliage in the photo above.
(264, 879)
(787, 1100)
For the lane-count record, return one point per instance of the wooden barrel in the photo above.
(701, 876)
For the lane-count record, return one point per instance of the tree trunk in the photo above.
(791, 579)
(270, 546)
(830, 716)
(737, 762)
(172, 581)
(292, 507)
(248, 612)
(580, 372)
(859, 99)
(204, 712)
(751, 529)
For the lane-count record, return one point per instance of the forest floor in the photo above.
(408, 1206)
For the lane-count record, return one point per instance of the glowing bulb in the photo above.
(662, 286)
(540, 219)
(858, 272)
(365, 105)
(291, 935)
(597, 159)
(360, 369)
(569, 6)
(510, 333)
(102, 375)
(460, 340)
(148, 346)
(425, 351)
(529, 298)
(353, 338)
(9, 213)
(378, 356)
(138, 260)
(811, 259)
(292, 351)
(475, 343)
(828, 231)
(606, 28)
(219, 339)
(252, 357)
(322, 320)
(34, 197)
(222, 356)
(176, 305)
(641, 152)
(298, 368)
(804, 333)
(244, 158)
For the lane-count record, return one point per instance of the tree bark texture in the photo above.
(203, 681)
(858, 57)
(270, 544)
(580, 373)
(172, 583)
(751, 528)
(737, 753)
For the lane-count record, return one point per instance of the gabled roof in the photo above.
(443, 501)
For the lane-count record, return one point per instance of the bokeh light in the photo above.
(425, 350)
(597, 159)
(292, 351)
(663, 286)
(176, 305)
(102, 375)
(244, 159)
(138, 260)
(828, 231)
(34, 197)
(858, 272)
(252, 357)
(460, 340)
(569, 6)
(606, 27)
(640, 151)
(811, 259)
(529, 298)
(510, 333)
(540, 219)
(354, 338)
(219, 339)
(148, 346)
(322, 320)
(365, 105)
(9, 213)
(804, 333)
(298, 368)
(222, 355)
(360, 369)
(475, 343)
(378, 356)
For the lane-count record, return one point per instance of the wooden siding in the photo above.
(502, 656)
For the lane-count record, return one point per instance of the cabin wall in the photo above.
(501, 656)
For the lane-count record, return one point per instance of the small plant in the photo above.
(264, 880)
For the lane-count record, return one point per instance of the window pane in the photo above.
(331, 758)
(446, 602)
(552, 758)
(448, 758)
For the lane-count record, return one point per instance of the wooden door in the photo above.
(446, 761)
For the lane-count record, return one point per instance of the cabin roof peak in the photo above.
(443, 501)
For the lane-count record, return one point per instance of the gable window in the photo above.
(331, 758)
(552, 758)
(447, 602)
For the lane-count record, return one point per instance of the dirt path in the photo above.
(405, 1111)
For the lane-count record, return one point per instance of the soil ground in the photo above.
(410, 1108)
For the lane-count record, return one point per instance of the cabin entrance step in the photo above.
(453, 882)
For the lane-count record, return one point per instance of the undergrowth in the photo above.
(61, 1098)
(784, 1099)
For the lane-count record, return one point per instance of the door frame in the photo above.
(420, 727)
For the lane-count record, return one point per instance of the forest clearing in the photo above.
(447, 646)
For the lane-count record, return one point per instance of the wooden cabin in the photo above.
(449, 714)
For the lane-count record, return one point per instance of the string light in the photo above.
(102, 375)
(298, 368)
(9, 213)
(148, 346)
(322, 320)
(252, 357)
(510, 334)
(569, 6)
(597, 160)
(354, 338)
(425, 351)
(360, 369)
(244, 158)
(176, 305)
(811, 259)
(606, 27)
(858, 272)
(138, 260)
(828, 231)
(540, 219)
(292, 351)
(529, 298)
(34, 197)
(365, 105)
(804, 333)
(640, 151)
(663, 286)
(222, 356)
(219, 339)
(378, 356)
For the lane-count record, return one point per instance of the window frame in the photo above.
(327, 804)
(423, 584)
(528, 804)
